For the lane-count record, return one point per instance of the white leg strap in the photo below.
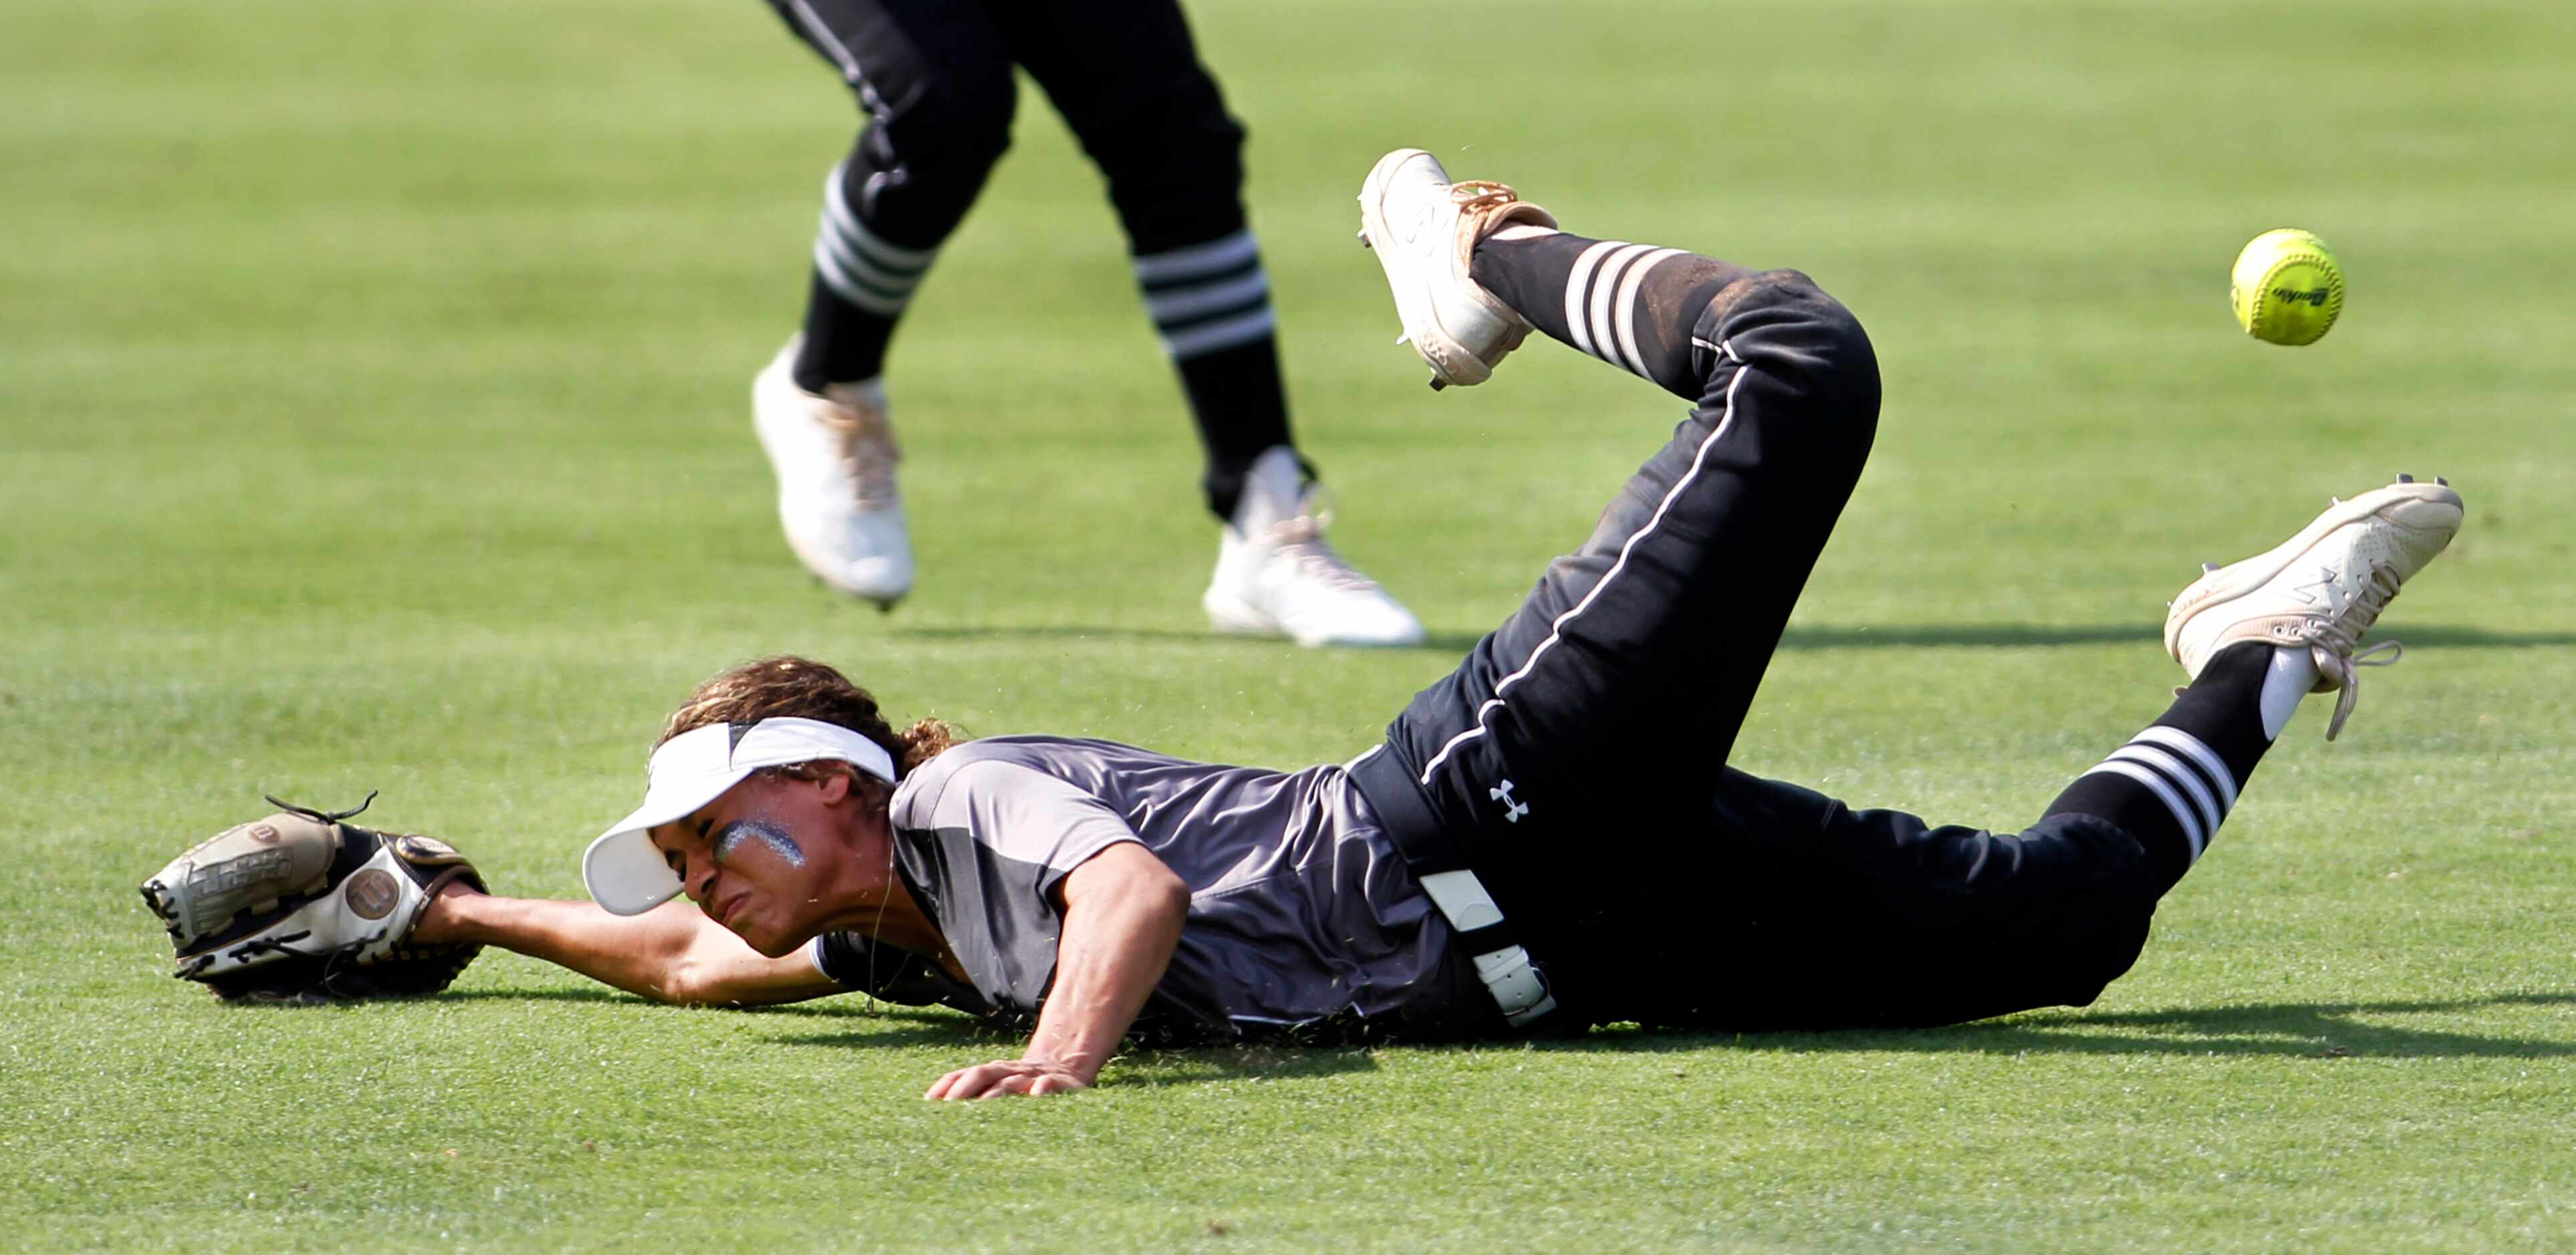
(1462, 900)
(1516, 986)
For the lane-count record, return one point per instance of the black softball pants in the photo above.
(1577, 758)
(935, 77)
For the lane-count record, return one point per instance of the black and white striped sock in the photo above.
(862, 282)
(872, 273)
(1211, 304)
(1601, 299)
(2173, 784)
(1631, 305)
(1208, 297)
(2184, 775)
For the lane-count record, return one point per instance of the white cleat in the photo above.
(1276, 576)
(1424, 230)
(834, 456)
(2322, 589)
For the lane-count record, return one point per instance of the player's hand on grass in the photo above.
(1009, 1076)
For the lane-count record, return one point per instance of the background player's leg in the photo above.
(1126, 76)
(936, 84)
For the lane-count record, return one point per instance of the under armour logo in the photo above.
(1512, 810)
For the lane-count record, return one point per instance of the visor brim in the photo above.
(624, 870)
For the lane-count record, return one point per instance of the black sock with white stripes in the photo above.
(1210, 302)
(2173, 784)
(1631, 305)
(862, 281)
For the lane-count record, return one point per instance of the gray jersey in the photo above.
(1301, 916)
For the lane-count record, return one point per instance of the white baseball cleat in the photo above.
(834, 456)
(1275, 575)
(2322, 589)
(1424, 229)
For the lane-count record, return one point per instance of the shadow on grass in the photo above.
(1980, 635)
(1154, 1069)
(542, 995)
(897, 1029)
(2014, 636)
(318, 1003)
(2320, 1030)
(855, 1021)
(2312, 1030)
(1820, 636)
(1436, 642)
(2305, 1030)
(1137, 1068)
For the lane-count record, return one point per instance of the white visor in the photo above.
(624, 870)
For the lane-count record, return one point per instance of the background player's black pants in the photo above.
(936, 80)
(1579, 753)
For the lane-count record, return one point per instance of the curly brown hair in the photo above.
(785, 685)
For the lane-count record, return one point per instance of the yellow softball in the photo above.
(2287, 287)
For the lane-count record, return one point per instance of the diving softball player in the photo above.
(1548, 839)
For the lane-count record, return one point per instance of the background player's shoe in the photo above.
(1275, 574)
(834, 455)
(1424, 229)
(2322, 589)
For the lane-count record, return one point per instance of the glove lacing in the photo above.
(320, 817)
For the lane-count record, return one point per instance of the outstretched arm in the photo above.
(1122, 918)
(672, 953)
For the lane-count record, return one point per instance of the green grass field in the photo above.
(373, 383)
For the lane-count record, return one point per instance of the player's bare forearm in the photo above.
(1123, 911)
(672, 953)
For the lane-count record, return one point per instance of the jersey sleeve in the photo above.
(1019, 815)
(989, 840)
(892, 974)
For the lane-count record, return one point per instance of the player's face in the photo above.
(755, 858)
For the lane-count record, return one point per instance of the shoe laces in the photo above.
(867, 450)
(1299, 541)
(1481, 196)
(2331, 641)
(1480, 204)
